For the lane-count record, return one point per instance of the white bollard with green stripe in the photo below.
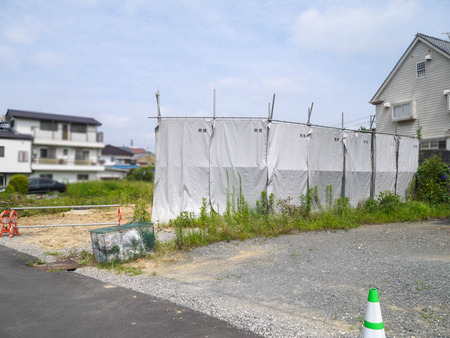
(373, 322)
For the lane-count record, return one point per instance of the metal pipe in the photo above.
(64, 225)
(210, 117)
(69, 207)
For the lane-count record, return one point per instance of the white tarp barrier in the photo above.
(325, 161)
(200, 158)
(385, 163)
(287, 157)
(182, 167)
(358, 166)
(238, 161)
(408, 161)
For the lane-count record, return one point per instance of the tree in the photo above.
(141, 174)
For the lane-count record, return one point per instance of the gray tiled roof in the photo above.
(52, 117)
(438, 43)
(8, 134)
(116, 151)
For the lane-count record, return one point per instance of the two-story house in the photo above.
(15, 154)
(142, 157)
(414, 99)
(117, 161)
(65, 148)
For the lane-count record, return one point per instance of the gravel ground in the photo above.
(311, 284)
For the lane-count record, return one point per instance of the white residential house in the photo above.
(117, 161)
(15, 154)
(416, 95)
(65, 148)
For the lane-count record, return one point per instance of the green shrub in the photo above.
(20, 183)
(433, 177)
(10, 189)
(140, 213)
(388, 201)
(141, 174)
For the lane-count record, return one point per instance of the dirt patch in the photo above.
(183, 267)
(51, 238)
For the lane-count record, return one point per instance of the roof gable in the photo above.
(9, 134)
(51, 117)
(116, 151)
(439, 45)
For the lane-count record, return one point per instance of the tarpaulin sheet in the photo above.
(182, 167)
(238, 161)
(408, 161)
(287, 161)
(385, 163)
(325, 161)
(358, 166)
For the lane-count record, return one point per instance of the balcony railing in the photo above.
(55, 161)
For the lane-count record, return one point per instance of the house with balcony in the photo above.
(65, 148)
(15, 154)
(414, 99)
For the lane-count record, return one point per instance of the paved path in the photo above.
(64, 304)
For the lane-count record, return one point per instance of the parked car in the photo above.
(44, 185)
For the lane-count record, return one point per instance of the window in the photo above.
(23, 156)
(78, 128)
(2, 151)
(433, 144)
(65, 152)
(82, 177)
(50, 176)
(403, 111)
(49, 125)
(43, 153)
(420, 68)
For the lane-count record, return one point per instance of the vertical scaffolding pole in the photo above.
(343, 160)
(372, 157)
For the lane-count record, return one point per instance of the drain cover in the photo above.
(68, 265)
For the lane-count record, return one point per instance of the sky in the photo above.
(107, 58)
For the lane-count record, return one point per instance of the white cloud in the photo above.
(278, 84)
(352, 30)
(116, 122)
(48, 59)
(26, 32)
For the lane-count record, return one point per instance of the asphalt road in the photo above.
(65, 304)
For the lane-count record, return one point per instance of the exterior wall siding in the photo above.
(10, 162)
(427, 92)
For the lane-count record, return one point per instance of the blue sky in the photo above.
(107, 58)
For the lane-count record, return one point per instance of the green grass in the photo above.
(84, 193)
(210, 227)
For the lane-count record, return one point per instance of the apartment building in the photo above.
(65, 148)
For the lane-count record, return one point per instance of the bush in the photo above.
(140, 213)
(388, 201)
(19, 183)
(141, 174)
(433, 177)
(10, 189)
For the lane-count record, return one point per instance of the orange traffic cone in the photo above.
(373, 322)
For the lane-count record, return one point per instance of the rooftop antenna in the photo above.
(309, 114)
(157, 103)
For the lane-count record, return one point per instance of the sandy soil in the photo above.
(53, 239)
